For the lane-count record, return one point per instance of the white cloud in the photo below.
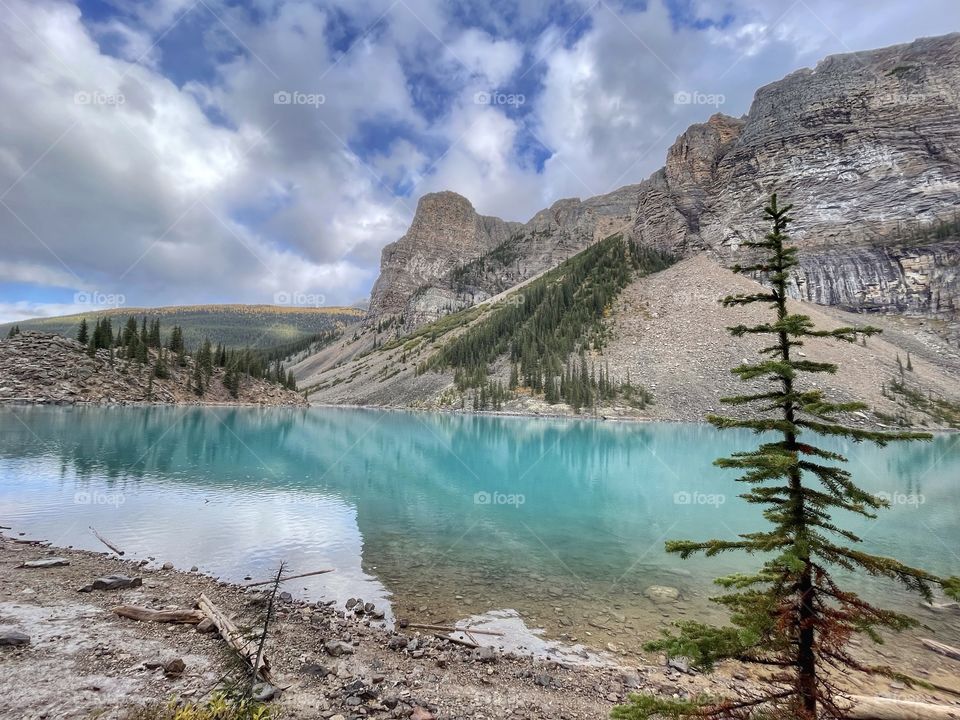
(211, 191)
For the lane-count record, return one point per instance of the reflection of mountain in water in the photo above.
(598, 498)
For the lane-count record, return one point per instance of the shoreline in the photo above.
(330, 662)
(22, 402)
(325, 658)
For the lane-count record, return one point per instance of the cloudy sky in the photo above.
(189, 151)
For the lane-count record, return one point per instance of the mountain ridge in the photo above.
(864, 144)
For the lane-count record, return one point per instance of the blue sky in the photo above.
(191, 151)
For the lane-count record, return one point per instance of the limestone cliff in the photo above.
(867, 144)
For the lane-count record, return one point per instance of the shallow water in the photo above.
(440, 516)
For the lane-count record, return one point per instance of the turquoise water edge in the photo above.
(440, 516)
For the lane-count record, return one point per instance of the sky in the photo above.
(169, 152)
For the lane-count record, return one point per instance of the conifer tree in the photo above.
(14, 331)
(197, 378)
(83, 332)
(791, 616)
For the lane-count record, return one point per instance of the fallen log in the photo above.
(876, 708)
(289, 577)
(244, 646)
(184, 617)
(106, 542)
(44, 563)
(444, 628)
(941, 648)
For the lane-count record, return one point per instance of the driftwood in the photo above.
(444, 628)
(21, 541)
(44, 563)
(185, 617)
(876, 708)
(941, 648)
(106, 542)
(289, 577)
(244, 646)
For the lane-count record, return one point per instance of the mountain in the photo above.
(235, 326)
(866, 146)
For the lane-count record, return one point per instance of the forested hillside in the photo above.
(234, 326)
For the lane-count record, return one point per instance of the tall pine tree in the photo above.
(791, 616)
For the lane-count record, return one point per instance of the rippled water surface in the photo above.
(441, 516)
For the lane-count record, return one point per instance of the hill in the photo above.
(236, 326)
(48, 368)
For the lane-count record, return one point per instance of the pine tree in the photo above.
(14, 331)
(83, 336)
(790, 616)
(197, 378)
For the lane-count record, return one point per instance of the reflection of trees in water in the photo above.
(597, 495)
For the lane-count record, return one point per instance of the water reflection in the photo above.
(460, 514)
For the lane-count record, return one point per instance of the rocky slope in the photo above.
(866, 145)
(47, 368)
(668, 333)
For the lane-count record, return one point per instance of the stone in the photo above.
(680, 663)
(487, 654)
(13, 638)
(206, 625)
(336, 648)
(421, 713)
(174, 668)
(168, 566)
(662, 593)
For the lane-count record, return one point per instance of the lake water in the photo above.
(439, 517)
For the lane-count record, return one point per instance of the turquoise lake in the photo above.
(439, 516)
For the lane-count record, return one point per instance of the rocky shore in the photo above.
(47, 368)
(65, 654)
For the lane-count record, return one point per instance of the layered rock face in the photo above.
(863, 145)
(446, 232)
